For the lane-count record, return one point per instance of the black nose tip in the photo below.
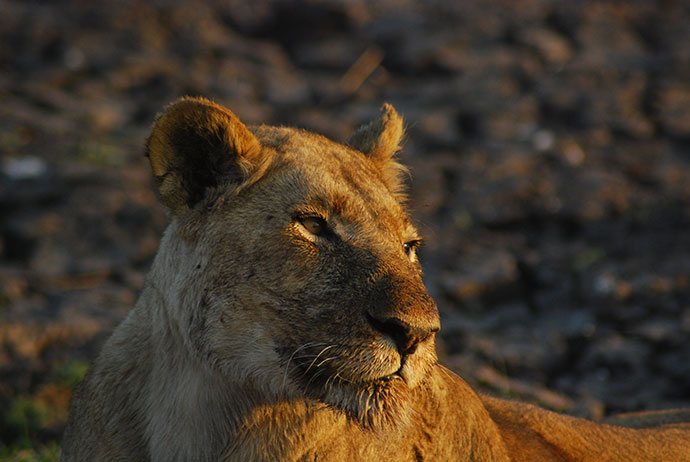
(405, 336)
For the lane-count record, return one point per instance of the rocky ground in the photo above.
(549, 145)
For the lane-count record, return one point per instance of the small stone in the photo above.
(24, 168)
(543, 140)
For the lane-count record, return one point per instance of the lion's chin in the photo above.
(374, 405)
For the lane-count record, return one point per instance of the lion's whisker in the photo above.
(287, 366)
(317, 357)
(314, 376)
(324, 361)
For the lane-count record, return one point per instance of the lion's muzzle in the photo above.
(405, 336)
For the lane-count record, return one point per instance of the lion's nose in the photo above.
(405, 336)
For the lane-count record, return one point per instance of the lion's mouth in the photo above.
(321, 367)
(402, 374)
(314, 378)
(372, 385)
(356, 367)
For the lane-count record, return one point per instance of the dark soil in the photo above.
(549, 145)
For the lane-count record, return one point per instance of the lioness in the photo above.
(285, 319)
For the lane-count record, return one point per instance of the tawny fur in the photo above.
(269, 328)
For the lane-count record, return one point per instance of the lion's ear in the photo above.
(380, 140)
(196, 144)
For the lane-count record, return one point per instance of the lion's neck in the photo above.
(192, 409)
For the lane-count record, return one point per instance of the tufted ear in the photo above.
(196, 144)
(380, 140)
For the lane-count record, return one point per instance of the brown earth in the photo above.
(549, 144)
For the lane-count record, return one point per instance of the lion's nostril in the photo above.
(405, 336)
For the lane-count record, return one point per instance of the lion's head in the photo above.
(295, 271)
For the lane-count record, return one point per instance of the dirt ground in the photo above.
(549, 147)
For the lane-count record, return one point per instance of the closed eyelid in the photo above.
(315, 225)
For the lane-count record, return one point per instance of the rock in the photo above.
(550, 45)
(674, 108)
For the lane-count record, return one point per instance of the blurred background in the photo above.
(548, 141)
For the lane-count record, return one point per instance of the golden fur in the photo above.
(285, 318)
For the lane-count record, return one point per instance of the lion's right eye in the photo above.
(315, 225)
(410, 248)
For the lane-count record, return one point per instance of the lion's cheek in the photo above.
(242, 345)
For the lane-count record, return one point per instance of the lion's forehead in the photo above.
(341, 182)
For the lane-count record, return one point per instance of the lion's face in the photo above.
(310, 284)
